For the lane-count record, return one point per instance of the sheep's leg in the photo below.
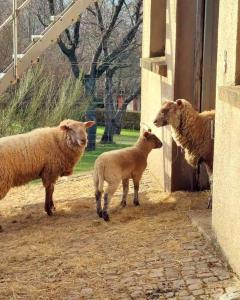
(3, 192)
(125, 184)
(111, 189)
(98, 196)
(211, 190)
(49, 205)
(4, 189)
(210, 177)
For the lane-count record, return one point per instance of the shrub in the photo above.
(37, 101)
(131, 119)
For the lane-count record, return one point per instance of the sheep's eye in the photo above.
(164, 111)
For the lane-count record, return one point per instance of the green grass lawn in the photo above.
(127, 138)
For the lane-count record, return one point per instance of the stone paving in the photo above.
(144, 253)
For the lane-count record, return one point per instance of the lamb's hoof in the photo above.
(105, 216)
(136, 203)
(123, 203)
(100, 214)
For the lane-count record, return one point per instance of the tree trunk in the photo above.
(74, 65)
(118, 120)
(89, 83)
(107, 137)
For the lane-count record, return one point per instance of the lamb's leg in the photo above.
(49, 205)
(111, 189)
(136, 180)
(98, 196)
(125, 184)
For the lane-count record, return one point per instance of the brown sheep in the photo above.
(121, 165)
(190, 130)
(45, 153)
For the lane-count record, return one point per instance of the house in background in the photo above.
(191, 50)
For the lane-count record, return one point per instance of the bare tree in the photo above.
(105, 22)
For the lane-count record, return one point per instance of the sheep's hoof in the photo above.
(100, 214)
(105, 216)
(53, 207)
(123, 203)
(1, 229)
(48, 211)
(136, 202)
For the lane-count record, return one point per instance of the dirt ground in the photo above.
(147, 252)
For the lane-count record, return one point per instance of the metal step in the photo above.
(35, 38)
(54, 18)
(19, 56)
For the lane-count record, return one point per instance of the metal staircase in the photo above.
(21, 61)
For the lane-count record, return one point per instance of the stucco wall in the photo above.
(226, 196)
(226, 187)
(155, 89)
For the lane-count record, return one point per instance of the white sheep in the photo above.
(191, 130)
(45, 153)
(121, 165)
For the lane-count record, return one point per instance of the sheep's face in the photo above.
(153, 139)
(76, 131)
(169, 114)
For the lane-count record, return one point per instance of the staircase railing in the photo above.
(31, 55)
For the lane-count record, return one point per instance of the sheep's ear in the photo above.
(179, 102)
(64, 125)
(89, 124)
(146, 134)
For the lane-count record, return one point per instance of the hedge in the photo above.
(131, 119)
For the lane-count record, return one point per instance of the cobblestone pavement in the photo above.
(147, 252)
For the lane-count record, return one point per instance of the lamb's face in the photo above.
(153, 139)
(76, 131)
(169, 113)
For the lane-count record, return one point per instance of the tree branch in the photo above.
(63, 47)
(118, 50)
(105, 37)
(76, 33)
(133, 96)
(51, 7)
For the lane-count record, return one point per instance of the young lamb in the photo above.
(121, 165)
(45, 153)
(190, 130)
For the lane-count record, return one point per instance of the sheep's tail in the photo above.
(99, 177)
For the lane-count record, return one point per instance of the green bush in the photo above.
(131, 119)
(37, 101)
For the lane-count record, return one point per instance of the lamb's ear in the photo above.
(64, 125)
(146, 134)
(179, 102)
(89, 124)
